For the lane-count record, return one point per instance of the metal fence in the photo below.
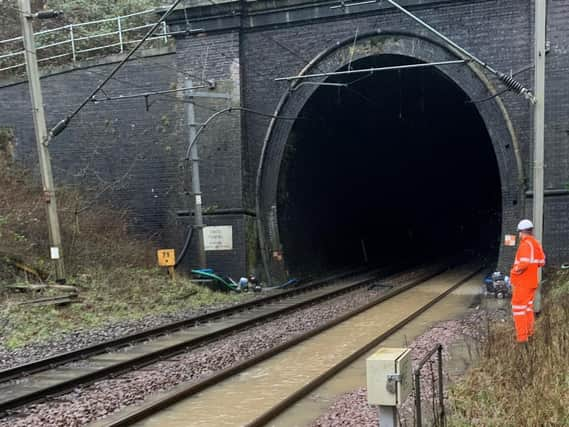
(439, 416)
(81, 41)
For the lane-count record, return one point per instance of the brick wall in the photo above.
(216, 58)
(114, 152)
(130, 157)
(501, 33)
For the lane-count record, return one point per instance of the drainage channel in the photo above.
(259, 392)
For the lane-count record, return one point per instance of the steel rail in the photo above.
(153, 356)
(300, 393)
(106, 346)
(130, 416)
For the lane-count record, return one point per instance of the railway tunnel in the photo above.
(384, 166)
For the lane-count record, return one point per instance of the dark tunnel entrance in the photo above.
(397, 162)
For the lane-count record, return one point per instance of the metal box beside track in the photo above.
(389, 376)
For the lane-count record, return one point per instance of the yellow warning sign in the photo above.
(510, 240)
(166, 257)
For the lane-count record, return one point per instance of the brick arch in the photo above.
(469, 78)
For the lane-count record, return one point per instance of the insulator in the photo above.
(48, 14)
(512, 84)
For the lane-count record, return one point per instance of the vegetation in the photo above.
(76, 11)
(514, 385)
(112, 271)
(107, 295)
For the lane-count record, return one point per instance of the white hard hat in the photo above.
(525, 224)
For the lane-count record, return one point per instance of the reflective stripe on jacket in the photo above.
(529, 258)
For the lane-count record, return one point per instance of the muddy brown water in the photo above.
(304, 412)
(240, 399)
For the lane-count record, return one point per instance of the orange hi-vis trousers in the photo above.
(522, 309)
(524, 277)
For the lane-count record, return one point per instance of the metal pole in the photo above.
(418, 415)
(196, 190)
(42, 139)
(72, 40)
(441, 388)
(538, 128)
(165, 32)
(388, 416)
(119, 26)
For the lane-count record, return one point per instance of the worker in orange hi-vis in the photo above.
(524, 279)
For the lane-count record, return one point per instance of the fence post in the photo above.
(120, 33)
(441, 388)
(165, 32)
(418, 415)
(72, 39)
(417, 373)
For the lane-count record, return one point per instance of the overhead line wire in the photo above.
(163, 95)
(59, 127)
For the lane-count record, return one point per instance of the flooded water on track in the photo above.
(240, 399)
(304, 412)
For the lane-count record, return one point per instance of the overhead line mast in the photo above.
(42, 136)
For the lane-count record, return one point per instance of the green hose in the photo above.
(229, 285)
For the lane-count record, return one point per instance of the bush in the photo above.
(96, 236)
(519, 385)
(75, 11)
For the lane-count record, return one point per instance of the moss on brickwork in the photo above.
(6, 143)
(252, 246)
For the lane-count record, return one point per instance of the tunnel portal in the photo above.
(387, 166)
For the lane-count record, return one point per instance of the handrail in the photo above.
(74, 41)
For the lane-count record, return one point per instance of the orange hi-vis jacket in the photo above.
(529, 258)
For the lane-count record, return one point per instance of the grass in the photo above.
(106, 297)
(113, 271)
(516, 386)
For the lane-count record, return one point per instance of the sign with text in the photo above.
(218, 238)
(166, 257)
(510, 240)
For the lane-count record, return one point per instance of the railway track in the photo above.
(255, 391)
(60, 373)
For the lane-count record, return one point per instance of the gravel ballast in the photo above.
(87, 404)
(81, 338)
(352, 409)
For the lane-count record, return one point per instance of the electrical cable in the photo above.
(144, 94)
(187, 241)
(60, 126)
(229, 110)
(507, 89)
(353, 50)
(488, 98)
(169, 67)
(294, 53)
(250, 69)
(186, 159)
(164, 95)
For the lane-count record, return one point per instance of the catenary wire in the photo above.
(60, 126)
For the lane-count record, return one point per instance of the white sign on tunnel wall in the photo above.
(218, 238)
